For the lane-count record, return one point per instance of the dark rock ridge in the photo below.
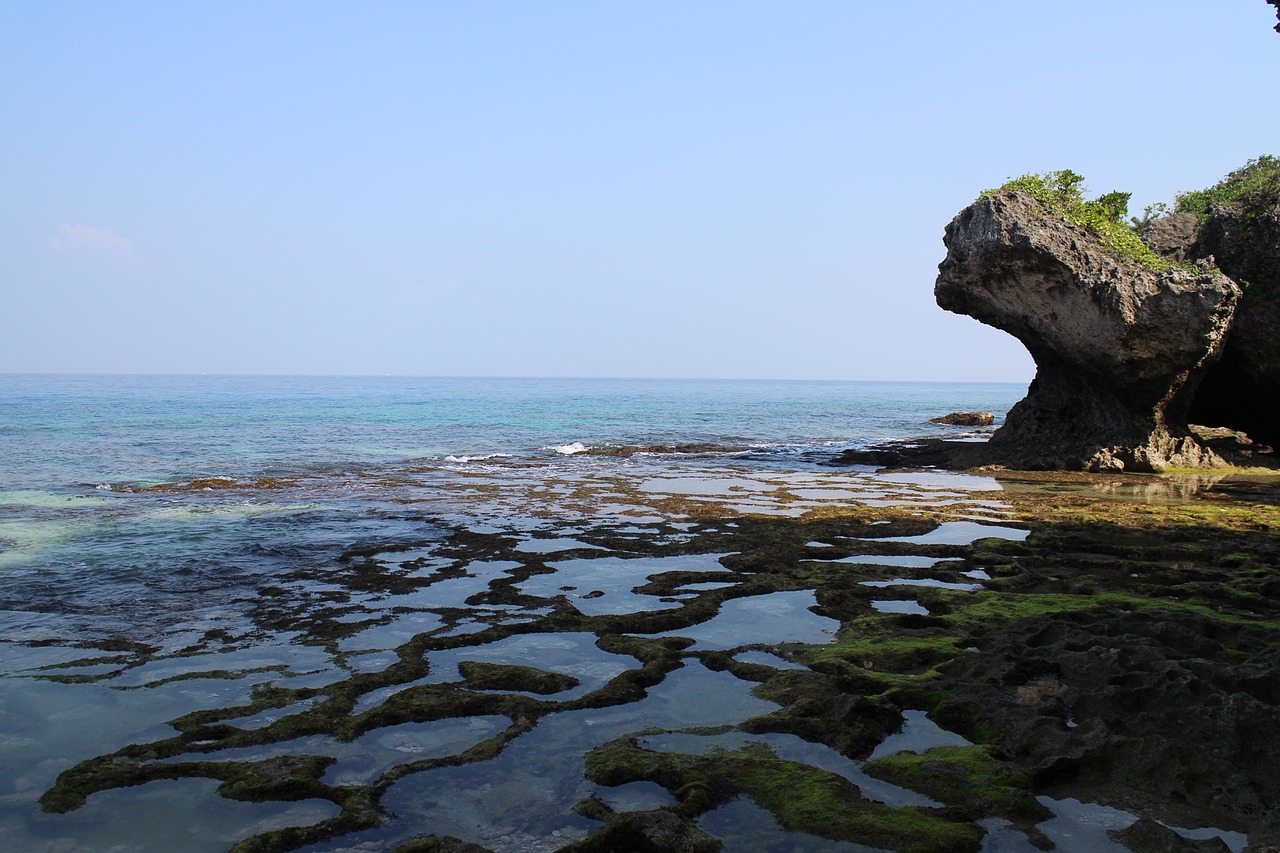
(1137, 709)
(1119, 348)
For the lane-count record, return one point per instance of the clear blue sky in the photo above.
(718, 189)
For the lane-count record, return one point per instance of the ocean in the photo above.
(204, 573)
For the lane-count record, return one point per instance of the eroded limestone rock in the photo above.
(1119, 348)
(966, 419)
(1242, 391)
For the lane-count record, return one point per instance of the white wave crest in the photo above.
(479, 458)
(569, 449)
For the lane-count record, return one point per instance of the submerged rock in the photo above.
(1149, 836)
(655, 831)
(1119, 348)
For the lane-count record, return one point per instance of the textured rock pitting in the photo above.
(1139, 707)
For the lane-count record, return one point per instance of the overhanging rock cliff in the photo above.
(1119, 348)
(1242, 391)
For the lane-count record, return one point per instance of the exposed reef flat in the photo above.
(1108, 638)
(1232, 450)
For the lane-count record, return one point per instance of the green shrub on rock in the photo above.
(1062, 192)
(1256, 183)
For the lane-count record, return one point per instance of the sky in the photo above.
(722, 188)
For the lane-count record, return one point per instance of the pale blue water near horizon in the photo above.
(66, 429)
(174, 544)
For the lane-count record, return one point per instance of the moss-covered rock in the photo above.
(970, 777)
(481, 675)
(801, 798)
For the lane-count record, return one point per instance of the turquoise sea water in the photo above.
(170, 544)
(81, 550)
(66, 431)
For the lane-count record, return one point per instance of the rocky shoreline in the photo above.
(1123, 652)
(1089, 633)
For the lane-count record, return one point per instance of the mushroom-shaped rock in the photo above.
(1119, 347)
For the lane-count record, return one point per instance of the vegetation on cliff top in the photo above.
(1255, 184)
(1063, 193)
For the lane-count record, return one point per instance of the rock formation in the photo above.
(1242, 391)
(1136, 706)
(966, 419)
(1119, 348)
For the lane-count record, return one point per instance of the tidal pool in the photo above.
(603, 585)
(961, 533)
(902, 605)
(181, 814)
(777, 617)
(902, 561)
(526, 793)
(926, 582)
(568, 653)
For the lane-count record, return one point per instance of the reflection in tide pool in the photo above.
(526, 793)
(767, 659)
(180, 814)
(1078, 827)
(902, 561)
(636, 797)
(603, 585)
(362, 761)
(568, 653)
(904, 605)
(961, 533)
(918, 734)
(778, 617)
(927, 582)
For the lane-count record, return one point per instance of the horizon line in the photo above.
(496, 376)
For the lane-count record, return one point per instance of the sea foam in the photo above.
(569, 449)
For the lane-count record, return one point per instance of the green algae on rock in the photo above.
(1151, 576)
(801, 797)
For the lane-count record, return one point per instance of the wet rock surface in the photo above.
(1148, 619)
(1149, 836)
(1161, 712)
(1119, 348)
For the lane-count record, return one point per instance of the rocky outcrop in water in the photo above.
(1119, 348)
(966, 419)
